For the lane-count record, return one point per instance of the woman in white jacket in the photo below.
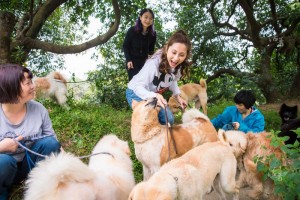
(161, 72)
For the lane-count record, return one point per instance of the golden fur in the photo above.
(191, 92)
(108, 175)
(192, 175)
(153, 146)
(257, 145)
(53, 86)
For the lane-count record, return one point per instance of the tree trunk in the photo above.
(7, 23)
(266, 82)
(295, 87)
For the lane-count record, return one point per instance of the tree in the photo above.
(24, 26)
(255, 37)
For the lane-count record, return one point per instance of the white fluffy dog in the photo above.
(53, 86)
(109, 175)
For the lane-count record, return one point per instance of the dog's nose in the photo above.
(152, 102)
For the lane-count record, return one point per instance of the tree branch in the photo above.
(255, 27)
(274, 16)
(231, 72)
(41, 16)
(32, 43)
(235, 30)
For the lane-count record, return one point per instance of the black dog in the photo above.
(289, 122)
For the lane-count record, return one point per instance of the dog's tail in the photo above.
(55, 172)
(191, 114)
(58, 76)
(203, 83)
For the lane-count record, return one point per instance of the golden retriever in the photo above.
(192, 175)
(107, 176)
(191, 92)
(152, 141)
(53, 86)
(257, 145)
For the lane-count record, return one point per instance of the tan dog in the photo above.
(153, 146)
(191, 92)
(257, 145)
(192, 175)
(52, 86)
(108, 176)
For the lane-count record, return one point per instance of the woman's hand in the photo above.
(130, 65)
(9, 145)
(161, 100)
(181, 101)
(236, 125)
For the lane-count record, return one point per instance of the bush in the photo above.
(286, 177)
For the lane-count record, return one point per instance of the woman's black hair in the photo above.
(245, 97)
(11, 77)
(138, 24)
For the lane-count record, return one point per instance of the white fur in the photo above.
(57, 90)
(191, 114)
(151, 162)
(108, 176)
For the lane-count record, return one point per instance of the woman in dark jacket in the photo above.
(139, 42)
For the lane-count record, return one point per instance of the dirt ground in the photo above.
(214, 196)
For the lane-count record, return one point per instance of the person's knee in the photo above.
(48, 145)
(171, 119)
(53, 144)
(166, 116)
(132, 98)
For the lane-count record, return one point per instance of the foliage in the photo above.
(222, 40)
(286, 177)
(110, 85)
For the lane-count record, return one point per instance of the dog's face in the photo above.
(288, 112)
(112, 141)
(236, 140)
(142, 192)
(146, 111)
(174, 105)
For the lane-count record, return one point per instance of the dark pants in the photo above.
(13, 172)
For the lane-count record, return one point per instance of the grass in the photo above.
(81, 127)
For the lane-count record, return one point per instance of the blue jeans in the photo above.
(13, 172)
(130, 95)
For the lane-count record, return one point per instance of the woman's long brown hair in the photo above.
(178, 37)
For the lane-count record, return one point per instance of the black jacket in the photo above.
(137, 47)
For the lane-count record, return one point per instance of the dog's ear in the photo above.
(134, 103)
(295, 109)
(281, 108)
(222, 136)
(241, 148)
(127, 149)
